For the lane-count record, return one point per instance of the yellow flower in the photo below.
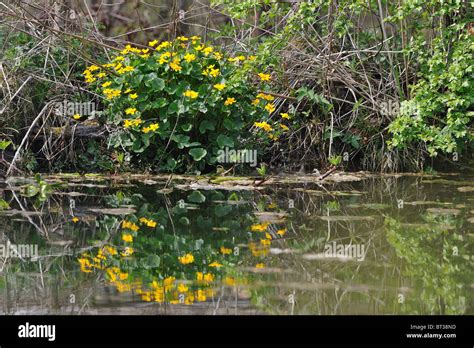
(162, 60)
(266, 96)
(207, 50)
(215, 264)
(76, 116)
(110, 250)
(272, 137)
(164, 44)
(270, 108)
(186, 259)
(125, 69)
(106, 84)
(175, 65)
(260, 265)
(252, 58)
(127, 91)
(191, 94)
(285, 116)
(182, 38)
(211, 71)
(130, 111)
(208, 277)
(189, 57)
(153, 43)
(281, 232)
(133, 96)
(225, 251)
(182, 288)
(229, 101)
(264, 77)
(75, 220)
(168, 281)
(101, 75)
(199, 276)
(255, 102)
(233, 60)
(199, 48)
(127, 238)
(265, 242)
(119, 59)
(259, 227)
(219, 86)
(241, 58)
(263, 125)
(153, 127)
(94, 68)
(284, 127)
(130, 226)
(217, 55)
(268, 235)
(112, 93)
(127, 251)
(123, 275)
(86, 265)
(201, 296)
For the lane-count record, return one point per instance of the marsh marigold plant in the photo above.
(176, 104)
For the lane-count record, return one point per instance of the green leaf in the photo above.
(198, 153)
(206, 125)
(4, 144)
(224, 140)
(187, 127)
(4, 205)
(154, 82)
(196, 197)
(152, 261)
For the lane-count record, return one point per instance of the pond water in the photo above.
(142, 245)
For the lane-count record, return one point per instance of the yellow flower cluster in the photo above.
(219, 86)
(186, 259)
(111, 93)
(130, 225)
(215, 264)
(225, 251)
(148, 222)
(151, 128)
(189, 57)
(191, 94)
(132, 123)
(259, 227)
(229, 101)
(263, 125)
(264, 77)
(211, 70)
(204, 277)
(175, 65)
(127, 238)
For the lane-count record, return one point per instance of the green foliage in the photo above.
(4, 204)
(439, 114)
(4, 144)
(335, 160)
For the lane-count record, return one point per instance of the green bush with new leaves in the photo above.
(174, 105)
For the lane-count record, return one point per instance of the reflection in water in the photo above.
(130, 247)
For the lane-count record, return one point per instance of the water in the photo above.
(376, 245)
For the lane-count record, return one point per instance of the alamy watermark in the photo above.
(237, 156)
(345, 251)
(69, 109)
(25, 251)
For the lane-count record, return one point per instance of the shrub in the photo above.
(174, 105)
